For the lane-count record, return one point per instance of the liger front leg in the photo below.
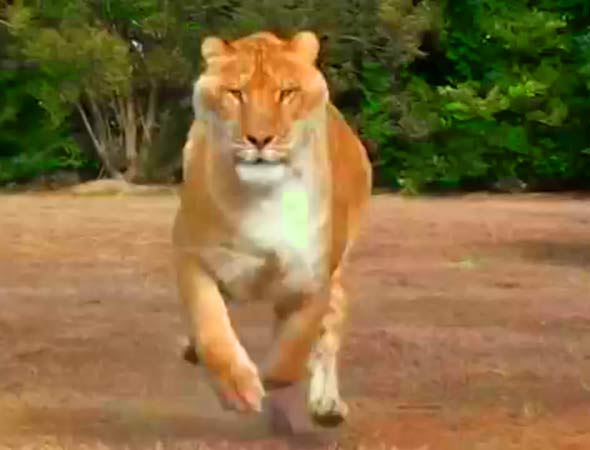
(234, 374)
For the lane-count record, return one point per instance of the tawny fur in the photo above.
(261, 96)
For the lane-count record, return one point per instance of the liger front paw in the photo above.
(239, 387)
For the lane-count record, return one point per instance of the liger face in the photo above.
(260, 92)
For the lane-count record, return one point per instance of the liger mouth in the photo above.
(260, 158)
(259, 161)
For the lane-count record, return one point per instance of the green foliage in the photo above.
(509, 100)
(30, 141)
(453, 94)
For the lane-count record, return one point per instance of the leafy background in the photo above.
(445, 94)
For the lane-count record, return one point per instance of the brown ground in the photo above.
(470, 329)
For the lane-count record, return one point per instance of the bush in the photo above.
(31, 143)
(502, 93)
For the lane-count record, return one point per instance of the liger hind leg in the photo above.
(298, 326)
(324, 401)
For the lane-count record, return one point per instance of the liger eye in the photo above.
(287, 93)
(236, 93)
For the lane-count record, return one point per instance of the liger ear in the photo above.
(214, 47)
(307, 45)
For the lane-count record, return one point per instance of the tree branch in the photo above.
(5, 23)
(100, 149)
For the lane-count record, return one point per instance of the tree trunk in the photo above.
(130, 130)
(151, 110)
(147, 121)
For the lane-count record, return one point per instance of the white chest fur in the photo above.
(289, 222)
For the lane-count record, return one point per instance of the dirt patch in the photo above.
(470, 328)
(114, 187)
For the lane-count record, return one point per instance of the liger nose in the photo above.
(259, 142)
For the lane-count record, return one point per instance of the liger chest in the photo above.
(280, 247)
